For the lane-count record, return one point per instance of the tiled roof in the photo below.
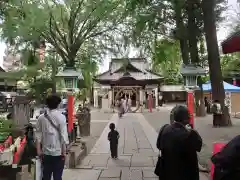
(70, 73)
(135, 75)
(138, 63)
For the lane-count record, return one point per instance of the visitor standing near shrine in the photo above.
(129, 105)
(52, 139)
(217, 113)
(178, 144)
(119, 107)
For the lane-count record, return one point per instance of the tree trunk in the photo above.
(200, 111)
(54, 65)
(193, 49)
(192, 32)
(214, 59)
(181, 31)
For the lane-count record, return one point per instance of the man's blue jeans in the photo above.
(53, 165)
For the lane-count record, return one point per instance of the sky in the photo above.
(222, 33)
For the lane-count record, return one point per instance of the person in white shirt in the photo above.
(52, 139)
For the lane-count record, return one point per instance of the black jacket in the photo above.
(227, 161)
(179, 152)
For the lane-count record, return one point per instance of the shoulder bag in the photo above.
(159, 165)
(55, 127)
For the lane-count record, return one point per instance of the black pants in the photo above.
(114, 149)
(53, 165)
(217, 119)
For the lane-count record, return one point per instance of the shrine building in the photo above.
(127, 78)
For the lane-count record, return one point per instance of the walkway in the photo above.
(137, 153)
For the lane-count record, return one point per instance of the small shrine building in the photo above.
(127, 78)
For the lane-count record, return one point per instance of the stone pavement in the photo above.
(137, 153)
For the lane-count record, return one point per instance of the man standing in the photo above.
(217, 113)
(51, 139)
(179, 145)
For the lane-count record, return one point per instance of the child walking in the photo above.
(113, 137)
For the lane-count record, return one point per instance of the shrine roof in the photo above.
(137, 68)
(136, 75)
(138, 63)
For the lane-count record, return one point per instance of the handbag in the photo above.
(38, 170)
(159, 165)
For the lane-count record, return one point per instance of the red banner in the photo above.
(20, 149)
(150, 102)
(6, 144)
(70, 112)
(190, 105)
(217, 147)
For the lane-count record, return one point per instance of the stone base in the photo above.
(77, 152)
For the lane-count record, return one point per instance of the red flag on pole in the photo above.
(70, 112)
(150, 102)
(190, 105)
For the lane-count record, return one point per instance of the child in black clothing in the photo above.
(113, 137)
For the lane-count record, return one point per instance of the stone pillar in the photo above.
(156, 97)
(141, 96)
(95, 97)
(110, 96)
(144, 98)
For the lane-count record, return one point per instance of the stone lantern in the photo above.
(69, 79)
(190, 74)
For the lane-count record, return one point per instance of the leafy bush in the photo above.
(6, 127)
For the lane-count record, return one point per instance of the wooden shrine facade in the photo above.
(126, 78)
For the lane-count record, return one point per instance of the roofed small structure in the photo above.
(127, 78)
(137, 69)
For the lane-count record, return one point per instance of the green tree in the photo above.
(65, 25)
(230, 64)
(218, 93)
(88, 64)
(167, 60)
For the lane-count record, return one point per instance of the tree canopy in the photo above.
(167, 60)
(66, 25)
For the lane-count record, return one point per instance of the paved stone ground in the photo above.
(137, 153)
(98, 122)
(203, 125)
